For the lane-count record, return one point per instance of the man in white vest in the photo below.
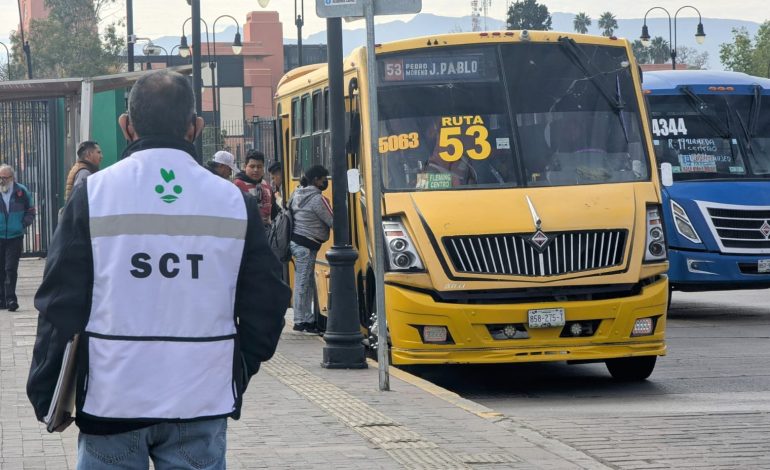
(165, 272)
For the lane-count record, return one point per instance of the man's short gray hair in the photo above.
(161, 104)
(9, 168)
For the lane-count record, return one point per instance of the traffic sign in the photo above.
(352, 8)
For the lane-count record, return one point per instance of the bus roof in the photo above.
(667, 81)
(309, 73)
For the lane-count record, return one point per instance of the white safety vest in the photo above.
(167, 239)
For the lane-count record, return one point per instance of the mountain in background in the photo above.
(718, 31)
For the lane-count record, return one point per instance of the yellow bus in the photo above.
(521, 204)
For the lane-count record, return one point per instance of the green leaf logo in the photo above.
(168, 176)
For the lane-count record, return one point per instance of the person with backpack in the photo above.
(312, 220)
(251, 180)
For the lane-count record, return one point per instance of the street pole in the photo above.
(196, 63)
(379, 260)
(299, 21)
(25, 44)
(344, 348)
(130, 34)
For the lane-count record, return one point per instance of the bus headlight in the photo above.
(656, 237)
(683, 224)
(401, 252)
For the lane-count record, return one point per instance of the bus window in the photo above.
(296, 131)
(327, 140)
(445, 135)
(318, 118)
(701, 137)
(585, 129)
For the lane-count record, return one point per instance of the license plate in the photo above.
(763, 266)
(435, 334)
(546, 317)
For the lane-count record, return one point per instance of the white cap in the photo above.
(226, 158)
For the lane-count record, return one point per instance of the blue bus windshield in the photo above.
(711, 136)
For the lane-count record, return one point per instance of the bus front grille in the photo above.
(539, 254)
(741, 229)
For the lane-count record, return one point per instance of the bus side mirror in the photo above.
(354, 180)
(666, 174)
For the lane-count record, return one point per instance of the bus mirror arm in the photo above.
(666, 174)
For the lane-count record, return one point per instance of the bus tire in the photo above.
(631, 369)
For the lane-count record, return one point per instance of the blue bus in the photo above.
(711, 132)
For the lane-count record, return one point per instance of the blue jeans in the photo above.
(193, 445)
(304, 283)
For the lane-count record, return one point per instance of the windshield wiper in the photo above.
(579, 58)
(697, 103)
(756, 106)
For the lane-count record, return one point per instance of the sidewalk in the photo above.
(298, 415)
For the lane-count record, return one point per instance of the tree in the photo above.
(527, 14)
(659, 50)
(581, 22)
(748, 55)
(641, 53)
(692, 58)
(608, 24)
(67, 43)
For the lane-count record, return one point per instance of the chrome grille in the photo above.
(741, 229)
(518, 255)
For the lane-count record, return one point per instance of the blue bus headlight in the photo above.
(683, 224)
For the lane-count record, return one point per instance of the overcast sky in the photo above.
(156, 18)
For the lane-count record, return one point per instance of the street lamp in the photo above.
(8, 60)
(237, 48)
(184, 51)
(151, 49)
(700, 35)
(299, 22)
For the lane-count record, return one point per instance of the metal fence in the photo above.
(238, 137)
(28, 143)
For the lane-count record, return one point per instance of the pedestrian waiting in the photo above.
(312, 221)
(89, 158)
(252, 180)
(173, 290)
(222, 164)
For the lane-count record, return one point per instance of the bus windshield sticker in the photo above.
(665, 127)
(503, 143)
(392, 143)
(434, 181)
(430, 68)
(463, 135)
(700, 163)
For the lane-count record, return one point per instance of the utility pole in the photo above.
(130, 33)
(196, 63)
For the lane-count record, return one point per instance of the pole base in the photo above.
(342, 353)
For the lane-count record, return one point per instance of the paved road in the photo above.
(707, 404)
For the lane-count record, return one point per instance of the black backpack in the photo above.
(279, 234)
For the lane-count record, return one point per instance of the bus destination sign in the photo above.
(424, 68)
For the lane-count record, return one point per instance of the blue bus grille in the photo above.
(741, 229)
(528, 255)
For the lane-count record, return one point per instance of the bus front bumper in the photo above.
(473, 329)
(702, 271)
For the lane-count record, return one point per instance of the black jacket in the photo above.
(64, 299)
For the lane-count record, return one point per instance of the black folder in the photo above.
(61, 413)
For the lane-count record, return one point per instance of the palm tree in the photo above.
(607, 23)
(660, 51)
(581, 23)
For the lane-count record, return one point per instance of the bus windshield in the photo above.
(712, 136)
(509, 115)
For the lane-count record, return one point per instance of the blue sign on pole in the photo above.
(352, 8)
